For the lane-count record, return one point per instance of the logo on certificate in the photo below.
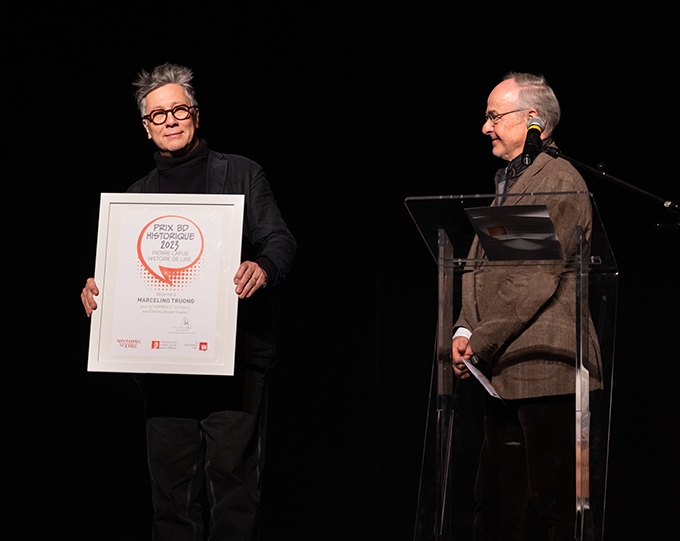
(128, 343)
(155, 344)
(203, 346)
(169, 250)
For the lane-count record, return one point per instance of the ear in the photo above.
(533, 113)
(146, 127)
(196, 111)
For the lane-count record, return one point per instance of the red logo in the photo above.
(203, 346)
(128, 343)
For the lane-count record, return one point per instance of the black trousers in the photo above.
(205, 439)
(528, 454)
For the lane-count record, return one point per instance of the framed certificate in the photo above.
(165, 267)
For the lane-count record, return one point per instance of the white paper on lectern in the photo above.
(165, 267)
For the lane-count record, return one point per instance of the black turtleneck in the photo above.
(186, 174)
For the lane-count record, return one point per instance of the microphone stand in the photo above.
(599, 170)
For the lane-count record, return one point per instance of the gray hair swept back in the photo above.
(535, 93)
(165, 74)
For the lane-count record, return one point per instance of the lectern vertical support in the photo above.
(445, 412)
(582, 389)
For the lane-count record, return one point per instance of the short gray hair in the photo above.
(535, 93)
(165, 74)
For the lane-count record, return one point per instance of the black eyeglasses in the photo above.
(495, 118)
(180, 112)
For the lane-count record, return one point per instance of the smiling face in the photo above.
(510, 131)
(173, 137)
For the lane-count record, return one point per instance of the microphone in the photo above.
(533, 144)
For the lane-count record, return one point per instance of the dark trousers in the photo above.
(528, 454)
(205, 438)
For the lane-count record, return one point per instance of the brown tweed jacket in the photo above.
(522, 319)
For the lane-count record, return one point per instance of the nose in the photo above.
(487, 128)
(170, 119)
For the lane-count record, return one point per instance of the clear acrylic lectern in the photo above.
(454, 431)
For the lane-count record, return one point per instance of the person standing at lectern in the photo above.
(521, 325)
(206, 434)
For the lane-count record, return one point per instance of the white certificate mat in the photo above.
(165, 268)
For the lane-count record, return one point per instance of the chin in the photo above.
(176, 150)
(499, 154)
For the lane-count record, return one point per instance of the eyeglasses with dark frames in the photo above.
(180, 112)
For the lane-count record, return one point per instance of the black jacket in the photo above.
(266, 240)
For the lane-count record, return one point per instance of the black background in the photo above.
(349, 110)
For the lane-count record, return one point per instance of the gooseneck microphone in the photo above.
(533, 144)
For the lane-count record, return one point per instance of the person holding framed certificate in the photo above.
(205, 433)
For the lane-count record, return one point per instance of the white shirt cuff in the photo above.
(462, 331)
